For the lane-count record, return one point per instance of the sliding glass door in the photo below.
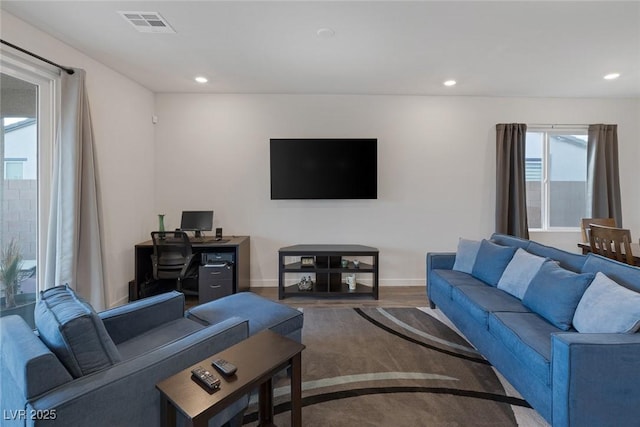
(26, 139)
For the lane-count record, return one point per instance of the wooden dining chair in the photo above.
(585, 225)
(612, 242)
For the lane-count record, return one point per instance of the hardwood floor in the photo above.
(390, 296)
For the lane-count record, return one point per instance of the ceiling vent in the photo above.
(147, 22)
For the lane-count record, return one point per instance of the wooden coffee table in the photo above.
(258, 359)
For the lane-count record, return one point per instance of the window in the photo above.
(13, 169)
(28, 95)
(20, 151)
(556, 178)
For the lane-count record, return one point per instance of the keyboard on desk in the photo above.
(207, 239)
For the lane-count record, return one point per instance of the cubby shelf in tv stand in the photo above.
(328, 279)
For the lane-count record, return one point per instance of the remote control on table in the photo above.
(227, 368)
(205, 377)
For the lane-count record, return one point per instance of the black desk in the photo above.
(237, 246)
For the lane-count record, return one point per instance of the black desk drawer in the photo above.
(216, 257)
(215, 281)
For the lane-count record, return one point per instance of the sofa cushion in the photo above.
(623, 274)
(528, 337)
(479, 301)
(568, 260)
(446, 280)
(554, 293)
(262, 313)
(130, 320)
(157, 337)
(466, 255)
(74, 332)
(519, 273)
(507, 240)
(491, 261)
(607, 307)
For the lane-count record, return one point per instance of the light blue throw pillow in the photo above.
(466, 255)
(519, 272)
(554, 293)
(607, 307)
(491, 261)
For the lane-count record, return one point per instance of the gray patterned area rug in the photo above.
(391, 367)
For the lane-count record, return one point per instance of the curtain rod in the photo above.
(561, 125)
(67, 69)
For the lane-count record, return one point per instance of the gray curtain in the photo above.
(74, 250)
(511, 197)
(603, 173)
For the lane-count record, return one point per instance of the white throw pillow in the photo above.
(519, 272)
(607, 307)
(466, 255)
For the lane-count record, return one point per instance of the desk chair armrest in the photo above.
(186, 266)
(130, 320)
(154, 266)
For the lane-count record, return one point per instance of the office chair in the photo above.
(173, 259)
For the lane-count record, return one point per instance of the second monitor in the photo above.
(197, 221)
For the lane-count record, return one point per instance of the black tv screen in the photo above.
(324, 169)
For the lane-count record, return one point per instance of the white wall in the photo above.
(436, 175)
(121, 111)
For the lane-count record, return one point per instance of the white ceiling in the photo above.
(499, 48)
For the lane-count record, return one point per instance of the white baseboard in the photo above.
(273, 283)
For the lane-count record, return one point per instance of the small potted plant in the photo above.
(12, 275)
(10, 272)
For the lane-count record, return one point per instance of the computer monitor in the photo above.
(197, 221)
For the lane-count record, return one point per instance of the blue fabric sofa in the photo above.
(571, 378)
(100, 369)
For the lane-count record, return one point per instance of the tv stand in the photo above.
(326, 270)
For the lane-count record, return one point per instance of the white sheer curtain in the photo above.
(74, 254)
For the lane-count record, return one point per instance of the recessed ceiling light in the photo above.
(450, 83)
(325, 33)
(201, 79)
(612, 76)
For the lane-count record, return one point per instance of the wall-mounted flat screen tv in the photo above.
(324, 168)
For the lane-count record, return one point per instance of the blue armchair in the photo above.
(100, 369)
